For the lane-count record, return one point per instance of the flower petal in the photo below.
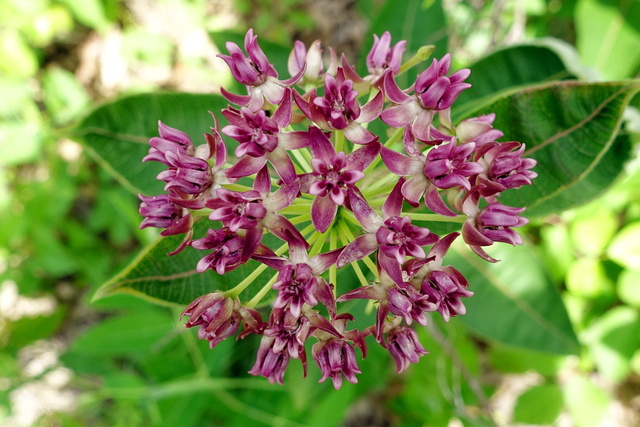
(361, 247)
(357, 134)
(363, 157)
(400, 164)
(323, 212)
(372, 109)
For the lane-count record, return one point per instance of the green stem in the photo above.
(422, 55)
(247, 281)
(262, 292)
(339, 140)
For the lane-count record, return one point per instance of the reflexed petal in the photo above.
(320, 144)
(434, 202)
(293, 140)
(393, 205)
(363, 157)
(235, 99)
(323, 212)
(402, 114)
(392, 91)
(365, 215)
(283, 165)
(282, 115)
(283, 197)
(372, 109)
(361, 247)
(400, 164)
(246, 166)
(357, 134)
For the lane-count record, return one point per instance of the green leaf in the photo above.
(539, 405)
(571, 129)
(173, 279)
(130, 334)
(608, 35)
(515, 66)
(118, 133)
(514, 301)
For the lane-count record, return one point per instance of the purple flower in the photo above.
(339, 109)
(163, 212)
(383, 57)
(402, 300)
(159, 211)
(270, 363)
(395, 237)
(299, 279)
(296, 286)
(255, 72)
(230, 250)
(257, 209)
(404, 346)
(290, 333)
(334, 174)
(170, 140)
(505, 167)
(217, 315)
(434, 92)
(187, 174)
(442, 285)
(261, 139)
(310, 62)
(478, 130)
(407, 302)
(237, 210)
(336, 358)
(334, 352)
(399, 238)
(493, 223)
(448, 165)
(418, 185)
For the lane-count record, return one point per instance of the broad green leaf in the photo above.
(608, 36)
(164, 279)
(514, 301)
(571, 129)
(539, 405)
(118, 133)
(518, 360)
(516, 66)
(132, 334)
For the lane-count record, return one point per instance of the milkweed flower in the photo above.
(311, 192)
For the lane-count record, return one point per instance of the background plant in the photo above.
(67, 227)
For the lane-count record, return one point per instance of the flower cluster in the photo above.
(340, 200)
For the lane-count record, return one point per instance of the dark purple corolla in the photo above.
(433, 92)
(256, 72)
(493, 223)
(339, 108)
(334, 175)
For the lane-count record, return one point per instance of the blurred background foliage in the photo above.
(66, 227)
